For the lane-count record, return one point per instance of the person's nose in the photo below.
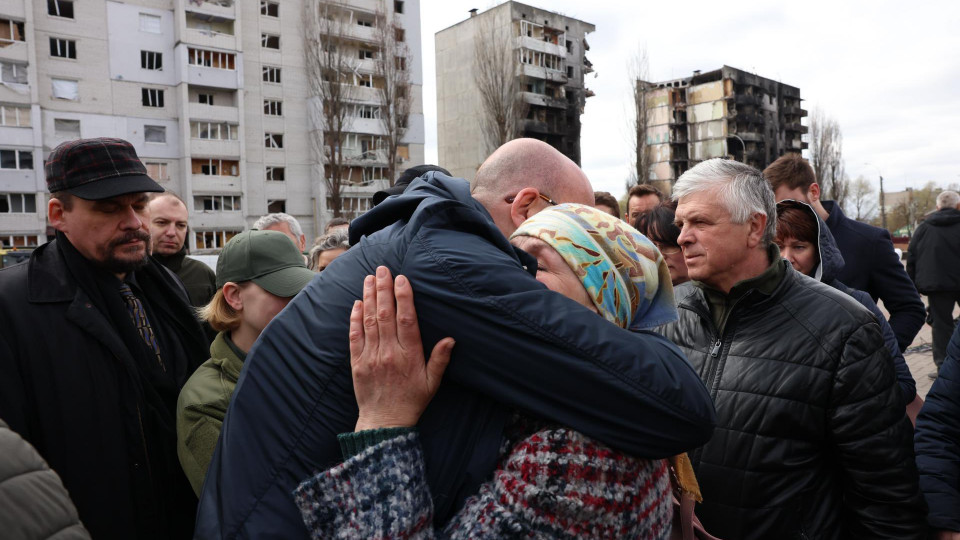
(686, 236)
(131, 220)
(170, 230)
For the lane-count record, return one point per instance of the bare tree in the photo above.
(499, 81)
(862, 199)
(638, 70)
(393, 68)
(331, 72)
(826, 156)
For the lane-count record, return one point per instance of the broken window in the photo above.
(206, 99)
(213, 131)
(366, 54)
(66, 129)
(217, 203)
(269, 9)
(272, 108)
(270, 41)
(16, 159)
(60, 8)
(400, 34)
(271, 74)
(401, 63)
(63, 48)
(276, 174)
(151, 97)
(64, 89)
(151, 60)
(213, 239)
(569, 46)
(215, 167)
(398, 6)
(12, 73)
(366, 83)
(365, 22)
(276, 206)
(19, 240)
(150, 23)
(570, 71)
(14, 116)
(212, 59)
(10, 32)
(155, 134)
(273, 140)
(18, 203)
(157, 171)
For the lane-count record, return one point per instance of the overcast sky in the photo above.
(888, 71)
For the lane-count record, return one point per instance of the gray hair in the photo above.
(740, 187)
(270, 220)
(336, 239)
(947, 199)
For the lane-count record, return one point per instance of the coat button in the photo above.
(88, 305)
(136, 465)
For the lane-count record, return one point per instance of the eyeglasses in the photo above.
(551, 202)
(667, 250)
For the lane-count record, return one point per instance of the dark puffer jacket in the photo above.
(938, 443)
(33, 502)
(811, 439)
(933, 258)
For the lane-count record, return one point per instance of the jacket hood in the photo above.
(831, 261)
(431, 185)
(943, 218)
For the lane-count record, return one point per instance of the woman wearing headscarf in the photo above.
(550, 481)
(807, 243)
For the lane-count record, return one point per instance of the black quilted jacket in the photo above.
(811, 438)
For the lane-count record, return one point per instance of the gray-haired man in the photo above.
(284, 223)
(811, 440)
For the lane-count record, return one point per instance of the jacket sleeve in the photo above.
(379, 493)
(13, 399)
(938, 443)
(912, 255)
(890, 282)
(540, 352)
(869, 427)
(908, 386)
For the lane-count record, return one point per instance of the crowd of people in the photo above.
(504, 357)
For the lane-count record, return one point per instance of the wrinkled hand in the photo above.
(391, 381)
(947, 535)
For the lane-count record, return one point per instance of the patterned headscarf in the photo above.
(623, 272)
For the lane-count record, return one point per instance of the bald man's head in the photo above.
(522, 170)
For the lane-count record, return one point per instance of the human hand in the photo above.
(391, 381)
(946, 535)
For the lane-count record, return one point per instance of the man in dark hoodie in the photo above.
(933, 263)
(519, 346)
(168, 233)
(871, 263)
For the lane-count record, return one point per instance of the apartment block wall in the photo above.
(110, 80)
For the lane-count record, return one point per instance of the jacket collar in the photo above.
(226, 355)
(836, 216)
(48, 278)
(173, 262)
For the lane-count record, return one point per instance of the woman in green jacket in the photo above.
(258, 273)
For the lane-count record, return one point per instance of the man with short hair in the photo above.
(933, 263)
(641, 197)
(519, 346)
(871, 264)
(812, 438)
(335, 223)
(96, 340)
(168, 232)
(603, 200)
(284, 223)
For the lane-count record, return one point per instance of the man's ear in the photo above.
(231, 293)
(757, 223)
(55, 214)
(523, 205)
(814, 192)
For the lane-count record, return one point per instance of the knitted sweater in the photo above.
(553, 483)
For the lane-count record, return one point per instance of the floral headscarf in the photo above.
(623, 272)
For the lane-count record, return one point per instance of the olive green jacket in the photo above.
(202, 405)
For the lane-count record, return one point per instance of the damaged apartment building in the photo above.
(212, 94)
(546, 52)
(723, 113)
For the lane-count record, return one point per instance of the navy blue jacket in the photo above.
(937, 441)
(519, 346)
(873, 266)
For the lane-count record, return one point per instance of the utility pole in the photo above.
(883, 206)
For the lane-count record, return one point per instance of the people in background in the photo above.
(407, 176)
(640, 198)
(168, 232)
(286, 224)
(336, 223)
(327, 248)
(658, 225)
(603, 200)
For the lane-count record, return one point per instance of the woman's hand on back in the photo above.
(391, 381)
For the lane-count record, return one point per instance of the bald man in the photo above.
(519, 347)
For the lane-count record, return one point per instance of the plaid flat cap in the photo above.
(96, 169)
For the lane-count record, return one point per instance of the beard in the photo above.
(118, 264)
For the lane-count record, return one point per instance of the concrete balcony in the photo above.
(539, 45)
(370, 6)
(225, 8)
(363, 94)
(214, 77)
(356, 32)
(367, 126)
(217, 219)
(215, 185)
(214, 148)
(16, 51)
(22, 223)
(544, 101)
(213, 113)
(18, 181)
(537, 72)
(208, 38)
(356, 156)
(17, 136)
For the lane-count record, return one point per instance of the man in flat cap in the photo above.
(96, 340)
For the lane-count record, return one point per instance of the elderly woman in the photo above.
(328, 247)
(805, 241)
(550, 481)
